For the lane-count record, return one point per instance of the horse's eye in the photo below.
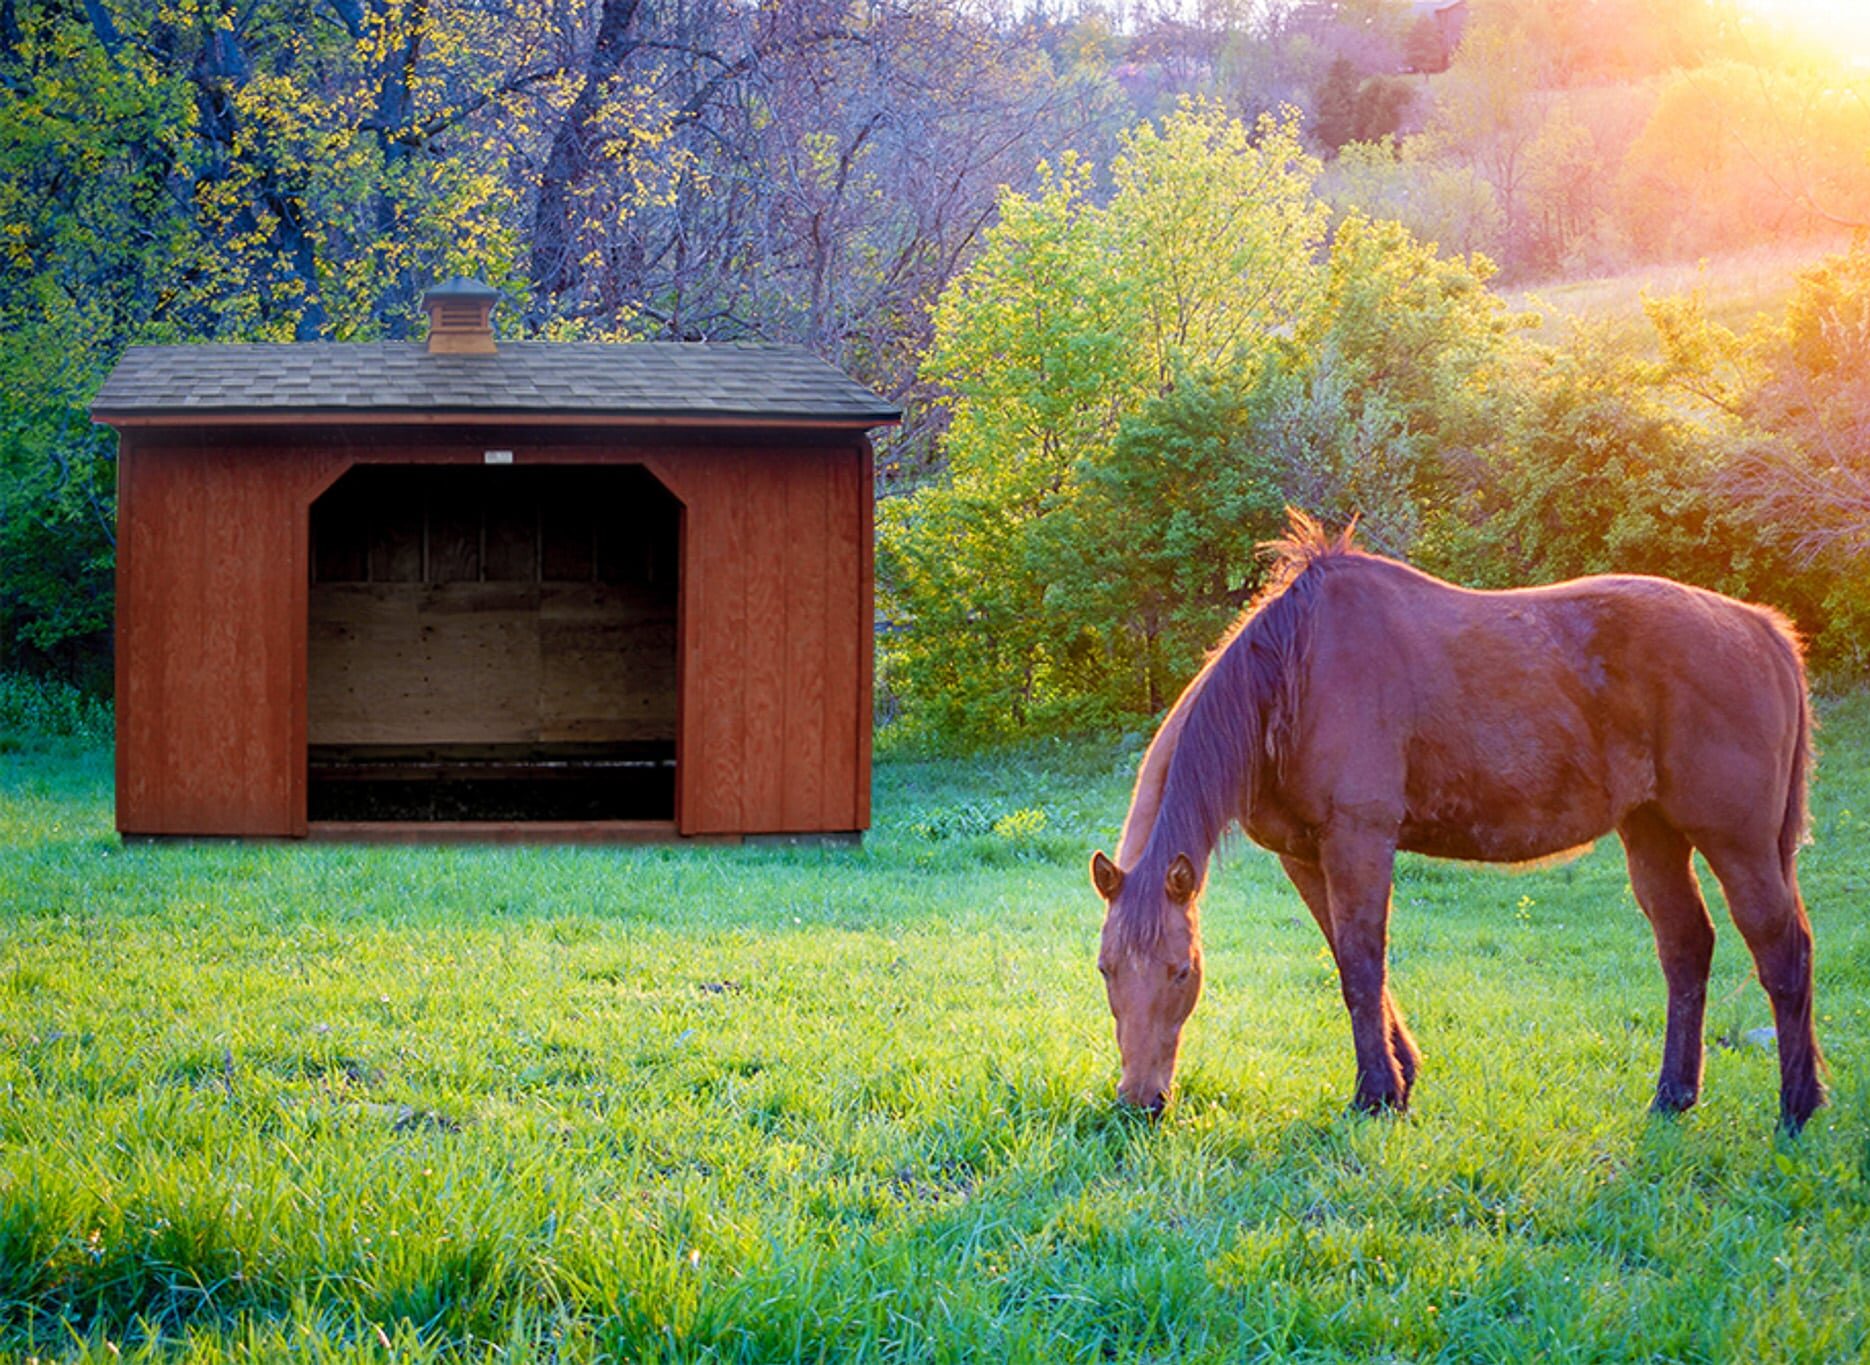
(1103, 970)
(1180, 974)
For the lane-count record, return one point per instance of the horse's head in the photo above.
(1152, 978)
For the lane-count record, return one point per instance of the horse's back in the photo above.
(1517, 724)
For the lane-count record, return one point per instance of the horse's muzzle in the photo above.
(1150, 1104)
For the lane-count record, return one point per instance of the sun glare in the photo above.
(1841, 27)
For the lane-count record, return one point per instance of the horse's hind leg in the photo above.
(1662, 875)
(1309, 879)
(1763, 897)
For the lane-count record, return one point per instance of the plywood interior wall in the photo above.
(493, 605)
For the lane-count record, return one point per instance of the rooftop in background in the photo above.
(712, 381)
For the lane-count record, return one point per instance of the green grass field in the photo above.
(769, 1104)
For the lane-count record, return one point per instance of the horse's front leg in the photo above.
(1357, 867)
(1309, 880)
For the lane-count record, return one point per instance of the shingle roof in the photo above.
(634, 379)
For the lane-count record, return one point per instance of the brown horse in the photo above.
(1361, 707)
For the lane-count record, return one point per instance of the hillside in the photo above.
(1737, 286)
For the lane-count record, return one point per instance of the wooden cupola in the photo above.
(461, 317)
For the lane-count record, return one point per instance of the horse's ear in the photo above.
(1181, 881)
(1106, 876)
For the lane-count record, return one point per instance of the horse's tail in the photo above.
(1795, 826)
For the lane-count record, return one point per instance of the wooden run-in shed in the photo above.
(557, 591)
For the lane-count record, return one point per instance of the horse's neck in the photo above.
(1151, 780)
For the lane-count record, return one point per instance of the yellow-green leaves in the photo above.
(1075, 316)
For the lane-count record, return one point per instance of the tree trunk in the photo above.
(554, 235)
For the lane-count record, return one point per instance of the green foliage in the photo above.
(86, 152)
(38, 708)
(1158, 554)
(1073, 318)
(171, 174)
(1334, 119)
(1599, 466)
(1107, 490)
(1596, 473)
(1355, 108)
(57, 550)
(1788, 415)
(1438, 200)
(339, 1104)
(1415, 325)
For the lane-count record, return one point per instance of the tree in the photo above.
(1487, 116)
(1425, 49)
(1594, 471)
(280, 169)
(1564, 173)
(1599, 465)
(1334, 121)
(1789, 414)
(1737, 153)
(1070, 322)
(1397, 358)
(275, 169)
(1186, 493)
(1383, 102)
(1437, 200)
(87, 222)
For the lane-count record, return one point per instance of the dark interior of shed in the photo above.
(493, 643)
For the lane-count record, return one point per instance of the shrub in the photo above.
(46, 707)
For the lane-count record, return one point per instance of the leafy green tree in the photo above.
(1386, 385)
(1353, 108)
(1600, 468)
(1334, 120)
(1421, 327)
(1070, 321)
(1595, 473)
(88, 228)
(1789, 415)
(1382, 104)
(1158, 551)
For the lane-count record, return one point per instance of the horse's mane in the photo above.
(1203, 766)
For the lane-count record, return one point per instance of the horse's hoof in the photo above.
(1797, 1106)
(1793, 1118)
(1671, 1100)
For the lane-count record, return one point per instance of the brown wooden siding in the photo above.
(778, 626)
(211, 639)
(775, 618)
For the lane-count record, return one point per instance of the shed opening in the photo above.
(491, 643)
